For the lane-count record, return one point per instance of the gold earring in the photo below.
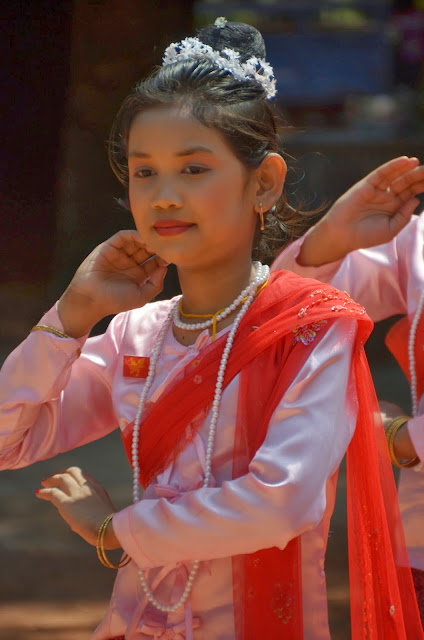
(261, 217)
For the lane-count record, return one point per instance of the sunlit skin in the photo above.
(195, 204)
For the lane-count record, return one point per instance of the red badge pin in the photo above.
(136, 367)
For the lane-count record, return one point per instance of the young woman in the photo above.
(236, 401)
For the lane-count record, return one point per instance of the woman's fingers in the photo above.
(54, 495)
(78, 475)
(408, 208)
(410, 184)
(69, 481)
(125, 253)
(150, 288)
(152, 266)
(86, 481)
(64, 481)
(401, 217)
(383, 176)
(130, 243)
(128, 238)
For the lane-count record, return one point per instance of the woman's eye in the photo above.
(143, 173)
(194, 169)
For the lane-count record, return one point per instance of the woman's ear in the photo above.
(271, 175)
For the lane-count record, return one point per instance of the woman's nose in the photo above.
(166, 196)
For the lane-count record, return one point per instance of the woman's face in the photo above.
(191, 198)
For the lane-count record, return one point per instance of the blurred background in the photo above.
(350, 80)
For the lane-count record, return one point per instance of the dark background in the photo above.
(351, 82)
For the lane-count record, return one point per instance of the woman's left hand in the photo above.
(370, 213)
(82, 502)
(376, 208)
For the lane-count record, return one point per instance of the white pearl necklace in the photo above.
(262, 275)
(411, 355)
(260, 270)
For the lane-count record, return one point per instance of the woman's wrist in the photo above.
(105, 541)
(322, 245)
(77, 314)
(110, 540)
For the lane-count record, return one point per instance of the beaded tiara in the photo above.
(228, 59)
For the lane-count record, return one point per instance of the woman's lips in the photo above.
(171, 227)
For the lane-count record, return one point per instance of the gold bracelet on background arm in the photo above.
(45, 327)
(391, 431)
(101, 553)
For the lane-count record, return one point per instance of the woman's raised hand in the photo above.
(370, 213)
(115, 277)
(377, 207)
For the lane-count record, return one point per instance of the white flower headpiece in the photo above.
(228, 59)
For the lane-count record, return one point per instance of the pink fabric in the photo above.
(387, 280)
(287, 491)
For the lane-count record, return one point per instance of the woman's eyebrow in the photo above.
(191, 150)
(185, 152)
(138, 154)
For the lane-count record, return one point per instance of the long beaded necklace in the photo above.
(245, 298)
(411, 355)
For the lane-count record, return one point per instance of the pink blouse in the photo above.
(51, 400)
(387, 280)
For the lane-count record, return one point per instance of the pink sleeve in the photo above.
(416, 432)
(52, 400)
(377, 278)
(284, 492)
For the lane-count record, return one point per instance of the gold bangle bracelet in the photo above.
(101, 553)
(45, 327)
(391, 431)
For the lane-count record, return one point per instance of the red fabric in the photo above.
(268, 580)
(279, 309)
(267, 584)
(383, 603)
(397, 340)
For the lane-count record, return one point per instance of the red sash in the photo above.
(397, 341)
(282, 307)
(267, 584)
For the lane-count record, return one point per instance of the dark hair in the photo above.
(239, 110)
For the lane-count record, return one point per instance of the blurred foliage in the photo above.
(343, 18)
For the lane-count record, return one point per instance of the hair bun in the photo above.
(239, 36)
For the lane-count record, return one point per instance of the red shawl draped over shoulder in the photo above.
(267, 584)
